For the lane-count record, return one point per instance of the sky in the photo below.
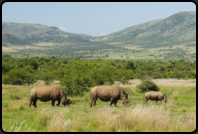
(92, 18)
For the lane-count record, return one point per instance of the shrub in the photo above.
(5, 79)
(17, 76)
(147, 85)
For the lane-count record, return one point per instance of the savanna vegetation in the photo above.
(77, 75)
(179, 115)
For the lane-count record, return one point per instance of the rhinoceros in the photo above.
(109, 93)
(47, 93)
(155, 96)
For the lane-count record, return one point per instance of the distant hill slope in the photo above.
(177, 29)
(168, 38)
(25, 30)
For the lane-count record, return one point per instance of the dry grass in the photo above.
(8, 49)
(14, 127)
(156, 50)
(13, 107)
(16, 48)
(114, 43)
(58, 123)
(45, 44)
(162, 82)
(133, 47)
(150, 119)
(175, 94)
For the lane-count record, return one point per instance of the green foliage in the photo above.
(194, 74)
(125, 75)
(5, 79)
(77, 75)
(147, 85)
(18, 77)
(46, 77)
(130, 65)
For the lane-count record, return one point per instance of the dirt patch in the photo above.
(161, 82)
(8, 49)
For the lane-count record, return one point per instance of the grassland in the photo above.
(179, 115)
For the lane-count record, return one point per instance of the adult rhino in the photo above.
(155, 96)
(109, 93)
(47, 93)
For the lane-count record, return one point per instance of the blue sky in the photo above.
(92, 18)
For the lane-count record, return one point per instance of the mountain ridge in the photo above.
(178, 27)
(175, 36)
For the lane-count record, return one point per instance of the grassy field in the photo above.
(179, 115)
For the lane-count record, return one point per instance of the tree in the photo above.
(17, 76)
(130, 65)
(30, 78)
(33, 63)
(125, 75)
(194, 74)
(46, 76)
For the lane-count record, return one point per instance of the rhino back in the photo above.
(106, 92)
(153, 95)
(46, 93)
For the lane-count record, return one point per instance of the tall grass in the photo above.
(58, 123)
(142, 118)
(16, 127)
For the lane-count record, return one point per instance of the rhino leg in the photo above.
(30, 103)
(156, 101)
(115, 102)
(34, 103)
(58, 102)
(94, 102)
(53, 101)
(111, 101)
(90, 103)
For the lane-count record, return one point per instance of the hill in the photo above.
(177, 29)
(25, 30)
(173, 37)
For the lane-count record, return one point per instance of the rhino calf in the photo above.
(155, 96)
(47, 93)
(109, 93)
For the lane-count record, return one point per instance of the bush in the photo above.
(5, 79)
(17, 76)
(147, 85)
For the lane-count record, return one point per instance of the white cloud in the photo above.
(85, 31)
(103, 34)
(62, 28)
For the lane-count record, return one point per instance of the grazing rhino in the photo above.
(47, 93)
(109, 93)
(155, 96)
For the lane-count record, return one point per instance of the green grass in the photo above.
(179, 115)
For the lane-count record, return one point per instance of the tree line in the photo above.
(77, 76)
